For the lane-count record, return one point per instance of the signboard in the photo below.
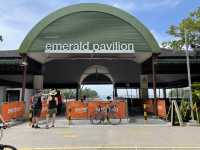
(149, 106)
(161, 108)
(89, 47)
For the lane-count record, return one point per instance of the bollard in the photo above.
(30, 116)
(69, 117)
(145, 112)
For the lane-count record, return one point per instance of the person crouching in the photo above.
(52, 103)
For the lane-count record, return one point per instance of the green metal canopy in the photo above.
(89, 22)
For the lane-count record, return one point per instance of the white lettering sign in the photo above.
(88, 47)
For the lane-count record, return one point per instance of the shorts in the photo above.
(36, 112)
(112, 110)
(52, 111)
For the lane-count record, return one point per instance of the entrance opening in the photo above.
(98, 78)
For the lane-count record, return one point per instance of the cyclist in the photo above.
(112, 107)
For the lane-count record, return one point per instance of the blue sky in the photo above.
(17, 17)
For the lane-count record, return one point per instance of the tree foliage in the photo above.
(1, 38)
(88, 93)
(190, 26)
(71, 93)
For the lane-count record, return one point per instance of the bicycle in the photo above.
(105, 113)
(4, 147)
(112, 116)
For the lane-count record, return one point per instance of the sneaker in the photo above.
(33, 126)
(37, 126)
(53, 126)
(47, 127)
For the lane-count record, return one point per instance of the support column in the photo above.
(177, 93)
(116, 95)
(77, 93)
(2, 94)
(38, 82)
(114, 91)
(164, 93)
(144, 87)
(154, 83)
(24, 65)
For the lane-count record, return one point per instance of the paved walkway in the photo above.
(88, 136)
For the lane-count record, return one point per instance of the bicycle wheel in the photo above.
(7, 147)
(96, 119)
(113, 119)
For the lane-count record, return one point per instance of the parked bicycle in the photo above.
(106, 113)
(5, 147)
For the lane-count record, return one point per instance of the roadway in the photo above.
(82, 134)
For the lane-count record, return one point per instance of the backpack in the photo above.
(37, 103)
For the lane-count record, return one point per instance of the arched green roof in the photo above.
(105, 9)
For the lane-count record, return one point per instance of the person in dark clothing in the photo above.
(52, 103)
(36, 108)
(84, 98)
(59, 106)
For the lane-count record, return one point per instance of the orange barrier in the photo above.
(149, 105)
(44, 109)
(83, 110)
(78, 109)
(12, 110)
(161, 108)
(92, 105)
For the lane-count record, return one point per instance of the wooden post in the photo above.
(24, 65)
(154, 84)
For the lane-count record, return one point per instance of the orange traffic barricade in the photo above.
(84, 110)
(13, 110)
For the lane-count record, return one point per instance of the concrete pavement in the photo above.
(89, 136)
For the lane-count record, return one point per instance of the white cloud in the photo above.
(18, 17)
(160, 37)
(152, 4)
(12, 37)
(145, 5)
(129, 6)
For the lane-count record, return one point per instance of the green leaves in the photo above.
(71, 93)
(89, 93)
(191, 24)
(1, 38)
